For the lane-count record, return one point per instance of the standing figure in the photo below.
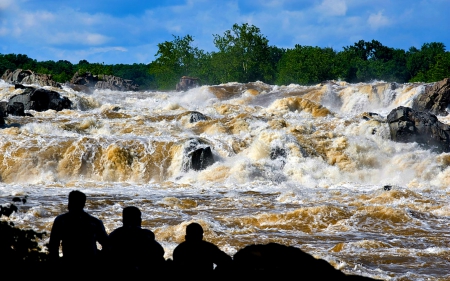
(79, 233)
(198, 256)
(134, 250)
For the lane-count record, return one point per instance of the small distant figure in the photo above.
(134, 250)
(198, 256)
(79, 233)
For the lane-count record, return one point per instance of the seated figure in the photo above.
(134, 249)
(196, 255)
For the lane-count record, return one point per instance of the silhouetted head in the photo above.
(77, 200)
(194, 232)
(131, 216)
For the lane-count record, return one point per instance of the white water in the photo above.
(326, 196)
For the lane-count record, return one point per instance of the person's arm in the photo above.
(102, 236)
(55, 239)
(220, 258)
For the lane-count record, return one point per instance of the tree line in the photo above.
(244, 55)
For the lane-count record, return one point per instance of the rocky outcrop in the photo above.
(435, 99)
(196, 116)
(87, 82)
(187, 83)
(38, 100)
(409, 125)
(116, 83)
(282, 262)
(20, 76)
(196, 156)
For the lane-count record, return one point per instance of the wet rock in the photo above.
(16, 109)
(38, 100)
(409, 125)
(20, 76)
(197, 156)
(283, 262)
(196, 117)
(435, 99)
(3, 108)
(187, 83)
(87, 82)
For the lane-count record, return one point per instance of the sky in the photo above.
(117, 31)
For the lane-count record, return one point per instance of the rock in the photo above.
(116, 83)
(38, 100)
(409, 125)
(196, 117)
(3, 108)
(16, 109)
(197, 156)
(85, 79)
(187, 83)
(283, 262)
(87, 82)
(435, 99)
(20, 76)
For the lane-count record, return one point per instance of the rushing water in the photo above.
(324, 193)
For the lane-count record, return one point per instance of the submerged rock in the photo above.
(20, 76)
(196, 117)
(435, 99)
(38, 100)
(409, 125)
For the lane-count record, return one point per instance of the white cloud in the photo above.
(4, 4)
(75, 38)
(333, 8)
(378, 20)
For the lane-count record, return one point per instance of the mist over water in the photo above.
(304, 166)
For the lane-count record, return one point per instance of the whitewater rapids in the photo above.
(340, 190)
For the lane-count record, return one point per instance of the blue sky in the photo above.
(114, 31)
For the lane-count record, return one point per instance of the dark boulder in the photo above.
(196, 156)
(39, 100)
(187, 83)
(20, 76)
(435, 99)
(3, 108)
(409, 125)
(282, 263)
(196, 117)
(16, 109)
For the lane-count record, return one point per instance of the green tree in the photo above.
(419, 62)
(244, 55)
(306, 65)
(175, 58)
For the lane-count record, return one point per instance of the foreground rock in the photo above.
(435, 99)
(187, 83)
(38, 100)
(20, 76)
(409, 125)
(87, 82)
(282, 263)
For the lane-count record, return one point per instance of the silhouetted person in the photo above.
(134, 249)
(198, 256)
(79, 233)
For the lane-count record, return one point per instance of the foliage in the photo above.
(306, 65)
(244, 55)
(18, 245)
(175, 58)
